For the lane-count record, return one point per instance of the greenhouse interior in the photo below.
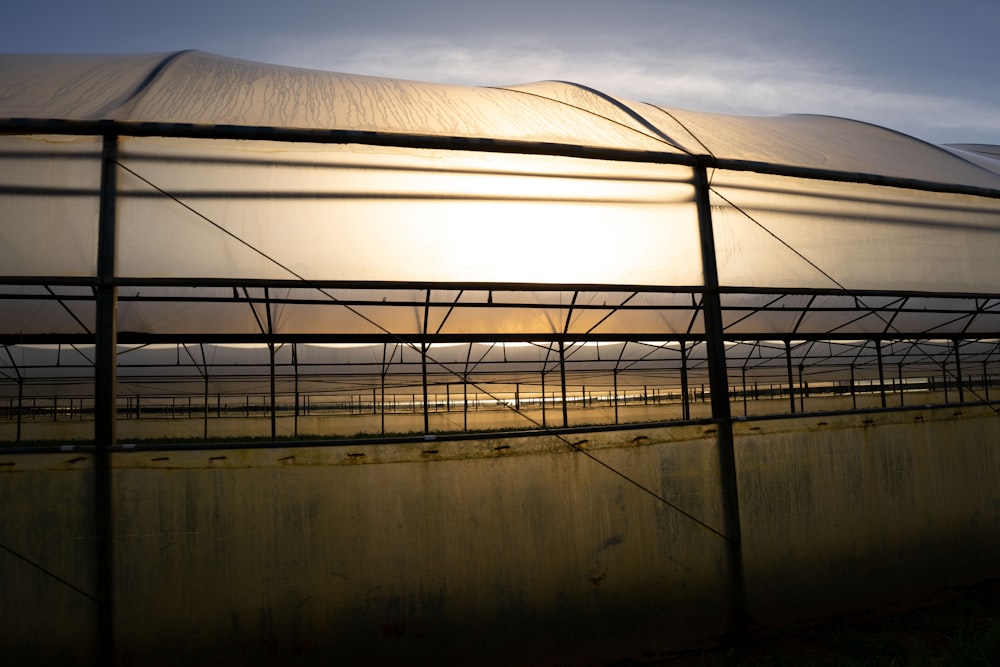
(393, 257)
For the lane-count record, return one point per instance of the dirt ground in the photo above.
(952, 628)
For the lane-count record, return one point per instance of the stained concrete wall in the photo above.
(497, 551)
(47, 559)
(848, 513)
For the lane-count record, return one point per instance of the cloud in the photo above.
(744, 78)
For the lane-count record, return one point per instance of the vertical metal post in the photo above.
(562, 381)
(381, 389)
(423, 382)
(791, 382)
(20, 405)
(901, 385)
(465, 389)
(958, 372)
(803, 390)
(881, 371)
(986, 382)
(270, 349)
(204, 397)
(295, 369)
(721, 412)
(274, 407)
(423, 362)
(615, 382)
(106, 398)
(543, 396)
(744, 373)
(685, 401)
(205, 404)
(854, 394)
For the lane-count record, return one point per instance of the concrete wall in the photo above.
(47, 563)
(848, 513)
(505, 551)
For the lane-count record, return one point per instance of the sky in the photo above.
(929, 68)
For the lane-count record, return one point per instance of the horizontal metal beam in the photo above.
(473, 144)
(140, 338)
(498, 303)
(516, 287)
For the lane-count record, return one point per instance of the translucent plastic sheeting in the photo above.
(861, 315)
(201, 88)
(820, 362)
(982, 155)
(162, 368)
(44, 309)
(785, 232)
(478, 313)
(265, 210)
(76, 86)
(823, 142)
(47, 370)
(475, 312)
(176, 310)
(190, 369)
(358, 358)
(49, 196)
(644, 119)
(52, 358)
(168, 310)
(234, 372)
(205, 89)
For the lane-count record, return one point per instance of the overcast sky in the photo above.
(930, 68)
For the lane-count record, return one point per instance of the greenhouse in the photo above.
(280, 244)
(198, 251)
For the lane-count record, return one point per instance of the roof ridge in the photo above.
(153, 74)
(654, 132)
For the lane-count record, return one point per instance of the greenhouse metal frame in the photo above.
(942, 330)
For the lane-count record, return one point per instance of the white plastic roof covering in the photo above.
(267, 210)
(204, 89)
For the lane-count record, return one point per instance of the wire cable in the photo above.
(48, 572)
(847, 292)
(574, 446)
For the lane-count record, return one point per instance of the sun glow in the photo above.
(350, 213)
(532, 227)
